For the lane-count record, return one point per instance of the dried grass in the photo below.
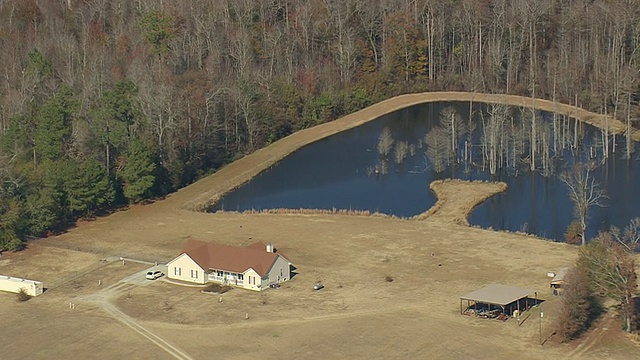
(457, 198)
(334, 211)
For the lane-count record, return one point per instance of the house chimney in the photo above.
(270, 247)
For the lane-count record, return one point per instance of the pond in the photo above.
(387, 165)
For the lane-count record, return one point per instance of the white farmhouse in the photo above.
(254, 267)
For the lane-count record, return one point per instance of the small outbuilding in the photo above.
(15, 284)
(497, 300)
(557, 283)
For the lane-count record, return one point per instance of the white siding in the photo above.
(12, 284)
(183, 268)
(280, 271)
(252, 280)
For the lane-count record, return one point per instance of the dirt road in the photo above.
(104, 299)
(360, 314)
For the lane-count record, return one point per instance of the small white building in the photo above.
(14, 285)
(254, 267)
(557, 283)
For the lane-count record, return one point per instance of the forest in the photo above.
(104, 103)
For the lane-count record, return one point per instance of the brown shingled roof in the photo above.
(230, 258)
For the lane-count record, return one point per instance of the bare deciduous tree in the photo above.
(437, 148)
(492, 136)
(451, 121)
(629, 238)
(401, 149)
(612, 270)
(385, 142)
(584, 192)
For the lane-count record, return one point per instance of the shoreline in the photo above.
(457, 199)
(431, 263)
(208, 190)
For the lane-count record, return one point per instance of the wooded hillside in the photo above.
(105, 102)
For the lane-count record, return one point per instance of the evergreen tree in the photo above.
(54, 123)
(44, 204)
(11, 207)
(20, 135)
(579, 307)
(39, 66)
(38, 77)
(158, 29)
(139, 171)
(115, 115)
(87, 187)
(10, 213)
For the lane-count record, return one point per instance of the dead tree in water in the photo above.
(452, 123)
(533, 142)
(493, 139)
(385, 142)
(605, 134)
(400, 151)
(630, 144)
(468, 142)
(546, 139)
(437, 151)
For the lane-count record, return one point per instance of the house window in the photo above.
(177, 271)
(194, 274)
(240, 277)
(220, 273)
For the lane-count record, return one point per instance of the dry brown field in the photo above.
(359, 314)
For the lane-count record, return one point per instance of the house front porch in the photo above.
(225, 278)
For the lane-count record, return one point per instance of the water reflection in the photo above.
(387, 165)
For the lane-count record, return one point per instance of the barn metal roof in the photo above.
(497, 294)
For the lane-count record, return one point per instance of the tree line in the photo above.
(604, 276)
(105, 103)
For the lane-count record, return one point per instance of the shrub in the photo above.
(23, 296)
(573, 233)
(216, 289)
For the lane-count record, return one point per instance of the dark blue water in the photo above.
(540, 205)
(339, 173)
(333, 173)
